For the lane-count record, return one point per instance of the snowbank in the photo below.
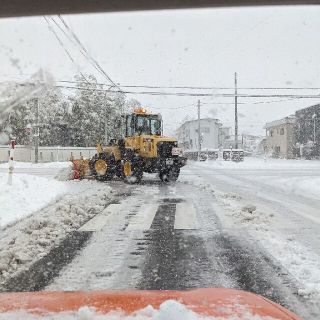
(306, 186)
(27, 194)
(299, 177)
(261, 223)
(169, 310)
(300, 261)
(33, 237)
(261, 163)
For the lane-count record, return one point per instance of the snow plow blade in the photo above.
(81, 169)
(205, 302)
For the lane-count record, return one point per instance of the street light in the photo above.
(314, 128)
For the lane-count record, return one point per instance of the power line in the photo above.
(173, 108)
(62, 30)
(220, 103)
(218, 88)
(83, 53)
(273, 101)
(187, 94)
(87, 53)
(205, 87)
(65, 49)
(192, 105)
(75, 40)
(198, 94)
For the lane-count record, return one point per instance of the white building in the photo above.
(212, 134)
(280, 137)
(250, 143)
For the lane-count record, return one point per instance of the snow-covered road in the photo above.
(286, 222)
(249, 225)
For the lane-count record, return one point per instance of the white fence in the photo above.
(46, 154)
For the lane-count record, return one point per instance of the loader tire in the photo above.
(131, 171)
(103, 167)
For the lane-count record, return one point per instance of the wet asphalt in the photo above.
(173, 259)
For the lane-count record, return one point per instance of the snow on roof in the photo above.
(275, 123)
(203, 119)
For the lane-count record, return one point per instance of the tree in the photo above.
(53, 119)
(95, 113)
(89, 116)
(17, 122)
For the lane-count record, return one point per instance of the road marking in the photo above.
(185, 216)
(108, 217)
(144, 218)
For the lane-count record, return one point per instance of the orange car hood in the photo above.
(210, 302)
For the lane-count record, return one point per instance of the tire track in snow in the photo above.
(183, 259)
(40, 273)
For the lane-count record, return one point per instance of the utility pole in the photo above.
(199, 133)
(314, 128)
(11, 163)
(106, 116)
(106, 126)
(36, 135)
(235, 111)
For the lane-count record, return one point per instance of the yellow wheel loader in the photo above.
(139, 148)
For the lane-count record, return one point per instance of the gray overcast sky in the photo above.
(267, 46)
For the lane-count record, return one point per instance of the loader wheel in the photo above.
(170, 175)
(102, 167)
(132, 171)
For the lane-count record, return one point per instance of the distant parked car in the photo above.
(233, 155)
(203, 157)
(213, 155)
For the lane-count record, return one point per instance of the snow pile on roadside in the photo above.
(306, 186)
(260, 163)
(245, 214)
(66, 173)
(169, 310)
(242, 212)
(275, 172)
(33, 237)
(300, 261)
(26, 194)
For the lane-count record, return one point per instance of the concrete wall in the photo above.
(46, 154)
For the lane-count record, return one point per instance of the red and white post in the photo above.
(11, 167)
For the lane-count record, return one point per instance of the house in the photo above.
(280, 137)
(212, 134)
(230, 142)
(307, 130)
(261, 147)
(224, 135)
(250, 143)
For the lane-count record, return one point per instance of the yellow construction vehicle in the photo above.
(139, 148)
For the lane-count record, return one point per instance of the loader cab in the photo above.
(142, 123)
